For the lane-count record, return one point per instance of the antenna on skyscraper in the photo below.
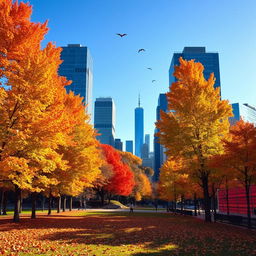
(139, 100)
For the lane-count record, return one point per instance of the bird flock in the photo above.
(139, 51)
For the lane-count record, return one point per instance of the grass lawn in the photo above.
(121, 233)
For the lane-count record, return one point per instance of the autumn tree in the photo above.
(240, 157)
(36, 121)
(121, 181)
(173, 183)
(142, 187)
(82, 155)
(196, 122)
(224, 175)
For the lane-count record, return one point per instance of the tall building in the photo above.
(129, 146)
(77, 66)
(159, 156)
(105, 120)
(144, 151)
(118, 144)
(139, 129)
(210, 60)
(243, 111)
(147, 140)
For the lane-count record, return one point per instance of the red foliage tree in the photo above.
(122, 181)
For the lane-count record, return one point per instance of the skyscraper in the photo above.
(139, 129)
(77, 66)
(159, 156)
(243, 111)
(118, 144)
(210, 60)
(147, 140)
(144, 151)
(105, 120)
(129, 146)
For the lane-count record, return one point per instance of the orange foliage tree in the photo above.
(37, 116)
(121, 181)
(240, 157)
(142, 187)
(196, 122)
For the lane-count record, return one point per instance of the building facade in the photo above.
(129, 146)
(77, 66)
(210, 60)
(159, 156)
(243, 111)
(144, 151)
(139, 129)
(105, 120)
(118, 144)
(147, 140)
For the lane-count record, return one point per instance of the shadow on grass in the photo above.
(155, 234)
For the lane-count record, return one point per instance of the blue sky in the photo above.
(161, 27)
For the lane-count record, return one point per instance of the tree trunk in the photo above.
(70, 203)
(43, 200)
(5, 201)
(64, 205)
(17, 196)
(50, 204)
(227, 196)
(207, 202)
(195, 204)
(182, 204)
(247, 190)
(102, 194)
(33, 197)
(80, 204)
(214, 200)
(1, 201)
(198, 206)
(59, 204)
(21, 201)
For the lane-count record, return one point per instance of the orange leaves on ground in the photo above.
(123, 234)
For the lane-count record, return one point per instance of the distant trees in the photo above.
(120, 178)
(142, 187)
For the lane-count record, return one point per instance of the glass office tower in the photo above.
(210, 60)
(118, 144)
(139, 129)
(129, 146)
(159, 156)
(243, 111)
(77, 66)
(105, 120)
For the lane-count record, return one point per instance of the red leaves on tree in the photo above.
(122, 181)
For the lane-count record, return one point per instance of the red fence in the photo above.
(237, 200)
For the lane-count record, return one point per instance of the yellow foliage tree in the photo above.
(196, 122)
(173, 183)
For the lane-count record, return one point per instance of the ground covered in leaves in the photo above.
(138, 234)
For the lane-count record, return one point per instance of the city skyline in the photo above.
(115, 76)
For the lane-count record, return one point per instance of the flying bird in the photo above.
(149, 68)
(121, 35)
(141, 50)
(153, 81)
